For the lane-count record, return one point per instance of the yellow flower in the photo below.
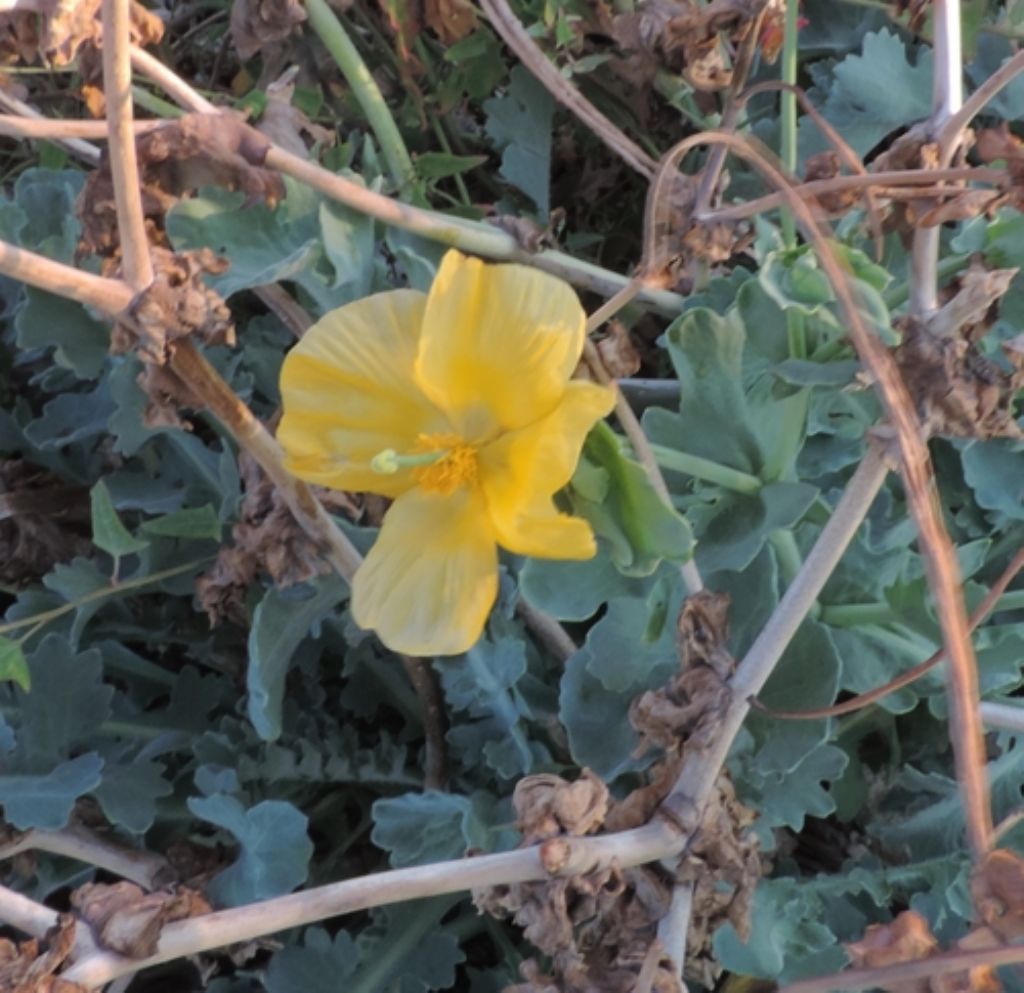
(458, 404)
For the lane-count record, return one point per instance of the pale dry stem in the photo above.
(905, 974)
(136, 263)
(24, 914)
(882, 182)
(952, 129)
(142, 867)
(947, 97)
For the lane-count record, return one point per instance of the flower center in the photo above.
(440, 463)
(455, 465)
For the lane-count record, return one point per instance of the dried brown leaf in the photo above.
(57, 33)
(127, 920)
(962, 207)
(685, 712)
(179, 303)
(258, 25)
(287, 126)
(904, 939)
(267, 540)
(997, 887)
(31, 966)
(826, 165)
(547, 806)
(530, 235)
(450, 20)
(694, 38)
(957, 390)
(618, 354)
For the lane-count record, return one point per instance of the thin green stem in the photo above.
(710, 472)
(154, 104)
(787, 552)
(788, 137)
(442, 140)
(332, 33)
(796, 333)
(852, 615)
(37, 620)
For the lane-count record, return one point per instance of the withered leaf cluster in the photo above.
(684, 36)
(174, 160)
(959, 391)
(58, 32)
(267, 541)
(126, 919)
(599, 928)
(997, 888)
(262, 25)
(31, 966)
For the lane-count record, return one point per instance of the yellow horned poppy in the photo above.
(458, 405)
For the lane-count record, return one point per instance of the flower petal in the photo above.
(349, 392)
(499, 344)
(523, 469)
(431, 578)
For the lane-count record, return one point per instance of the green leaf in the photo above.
(108, 532)
(807, 676)
(734, 529)
(420, 828)
(574, 591)
(440, 165)
(407, 948)
(922, 815)
(48, 199)
(81, 342)
(192, 522)
(519, 123)
(995, 471)
(46, 801)
(320, 965)
(714, 419)
(601, 681)
(483, 683)
(128, 794)
(275, 848)
(794, 280)
(66, 707)
(283, 618)
(71, 417)
(350, 242)
(13, 666)
(77, 580)
(787, 941)
(869, 95)
(641, 530)
(269, 246)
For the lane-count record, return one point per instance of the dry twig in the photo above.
(512, 32)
